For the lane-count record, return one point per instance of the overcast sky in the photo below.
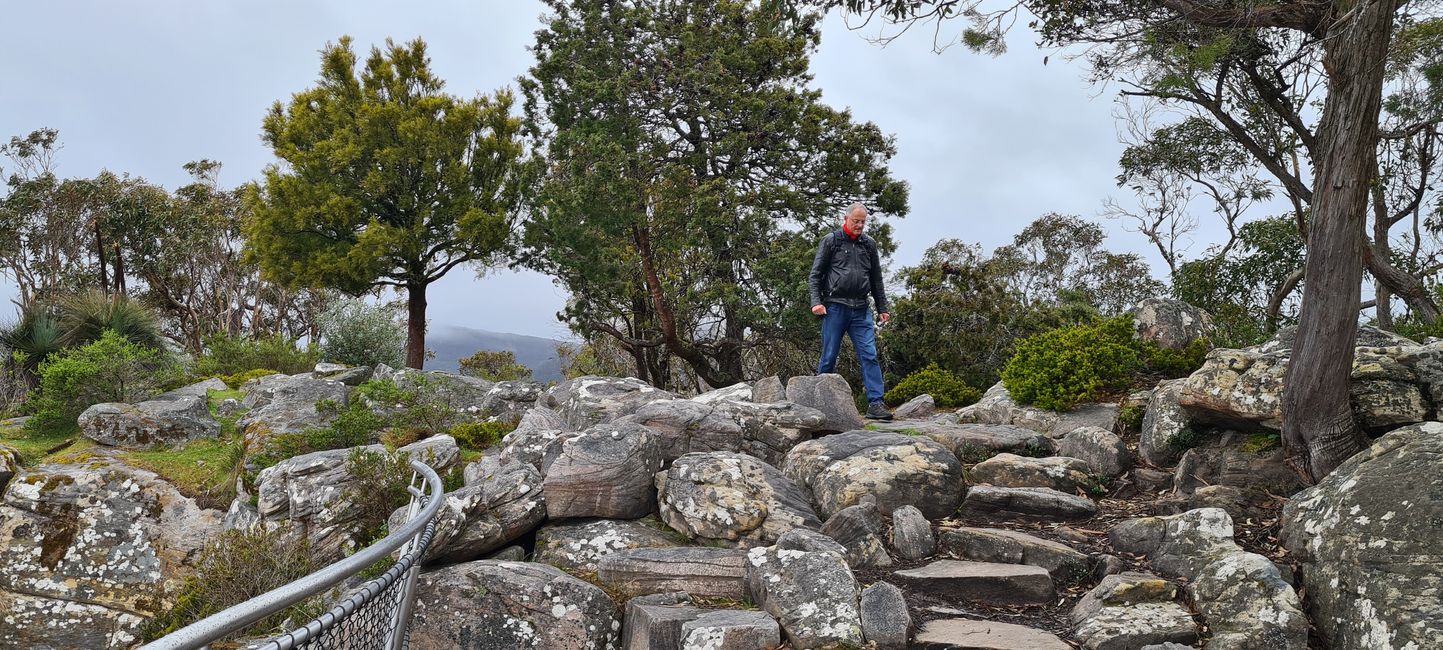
(987, 144)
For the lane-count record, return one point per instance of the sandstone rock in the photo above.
(715, 572)
(350, 376)
(1367, 537)
(859, 529)
(766, 431)
(9, 465)
(813, 595)
(989, 582)
(829, 394)
(768, 390)
(580, 545)
(89, 551)
(1026, 503)
(921, 406)
(1239, 503)
(654, 621)
(973, 443)
(151, 423)
(311, 498)
(1180, 545)
(199, 389)
(1012, 547)
(1248, 605)
(740, 391)
(287, 404)
(885, 619)
(590, 400)
(1104, 453)
(1229, 461)
(811, 541)
(1068, 475)
(1163, 423)
(1385, 393)
(896, 469)
(1135, 626)
(732, 498)
(1128, 588)
(997, 407)
(604, 472)
(912, 536)
(536, 447)
(1151, 481)
(499, 507)
(1170, 323)
(984, 635)
(490, 604)
(728, 629)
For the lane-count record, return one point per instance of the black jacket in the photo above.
(845, 271)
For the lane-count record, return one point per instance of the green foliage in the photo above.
(235, 355)
(1185, 439)
(1130, 416)
(495, 366)
(1258, 443)
(204, 470)
(111, 369)
(480, 435)
(945, 388)
(599, 357)
(1237, 286)
(1174, 363)
(239, 379)
(233, 567)
(1057, 369)
(85, 316)
(423, 404)
(33, 338)
(357, 333)
(378, 489)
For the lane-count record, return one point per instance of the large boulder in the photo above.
(766, 431)
(1170, 323)
(1010, 470)
(1367, 537)
(1386, 394)
(1012, 547)
(768, 390)
(1103, 451)
(152, 423)
(739, 392)
(812, 594)
(88, 551)
(580, 545)
(502, 504)
(898, 470)
(859, 530)
(605, 472)
(491, 604)
(1163, 424)
(830, 394)
(1246, 462)
(731, 498)
(277, 404)
(715, 572)
(1132, 610)
(590, 400)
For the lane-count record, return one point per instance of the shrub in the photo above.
(1175, 363)
(378, 489)
(360, 334)
(947, 389)
(32, 339)
(495, 366)
(1057, 369)
(239, 379)
(234, 355)
(111, 369)
(84, 317)
(1130, 416)
(480, 435)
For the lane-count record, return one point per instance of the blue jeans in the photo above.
(856, 323)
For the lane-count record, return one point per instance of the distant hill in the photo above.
(452, 344)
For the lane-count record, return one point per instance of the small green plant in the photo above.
(1130, 416)
(971, 454)
(1174, 363)
(378, 488)
(495, 366)
(480, 435)
(1258, 443)
(234, 355)
(357, 333)
(1057, 369)
(1185, 439)
(947, 389)
(110, 369)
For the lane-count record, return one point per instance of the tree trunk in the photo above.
(1319, 432)
(416, 325)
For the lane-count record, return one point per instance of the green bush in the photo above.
(84, 317)
(378, 490)
(235, 355)
(239, 379)
(946, 389)
(480, 435)
(1175, 363)
(111, 369)
(360, 334)
(495, 366)
(1057, 369)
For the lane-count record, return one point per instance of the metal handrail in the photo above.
(216, 626)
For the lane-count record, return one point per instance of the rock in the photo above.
(228, 408)
(973, 443)
(1228, 461)
(580, 545)
(1247, 604)
(1107, 565)
(149, 424)
(534, 446)
(1180, 545)
(1026, 503)
(1012, 547)
(498, 508)
(1059, 473)
(1170, 323)
(199, 389)
(740, 391)
(653, 622)
(486, 604)
(509, 401)
(325, 369)
(921, 406)
(732, 498)
(813, 595)
(1368, 336)
(989, 582)
(769, 390)
(89, 551)
(590, 400)
(1426, 362)
(439, 452)
(1163, 423)
(1104, 453)
(348, 376)
(1135, 626)
(1367, 537)
(712, 572)
(1385, 393)
(9, 465)
(311, 498)
(859, 529)
(604, 472)
(731, 630)
(912, 536)
(830, 394)
(1239, 503)
(1128, 588)
(508, 554)
(766, 431)
(984, 635)
(896, 469)
(811, 541)
(997, 407)
(1151, 481)
(885, 619)
(279, 404)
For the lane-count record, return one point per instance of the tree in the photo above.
(385, 181)
(690, 172)
(1060, 254)
(495, 366)
(1351, 41)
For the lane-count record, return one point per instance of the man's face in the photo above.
(856, 220)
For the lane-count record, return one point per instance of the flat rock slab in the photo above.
(1026, 503)
(581, 544)
(1138, 625)
(990, 582)
(717, 572)
(730, 629)
(965, 634)
(1060, 473)
(1008, 546)
(972, 442)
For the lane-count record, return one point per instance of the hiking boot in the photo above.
(878, 411)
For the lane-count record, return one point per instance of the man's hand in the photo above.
(884, 316)
(820, 310)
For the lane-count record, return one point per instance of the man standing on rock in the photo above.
(846, 269)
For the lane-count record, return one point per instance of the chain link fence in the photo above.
(376, 615)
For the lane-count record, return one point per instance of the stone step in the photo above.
(1012, 547)
(966, 634)
(1026, 503)
(718, 572)
(989, 582)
